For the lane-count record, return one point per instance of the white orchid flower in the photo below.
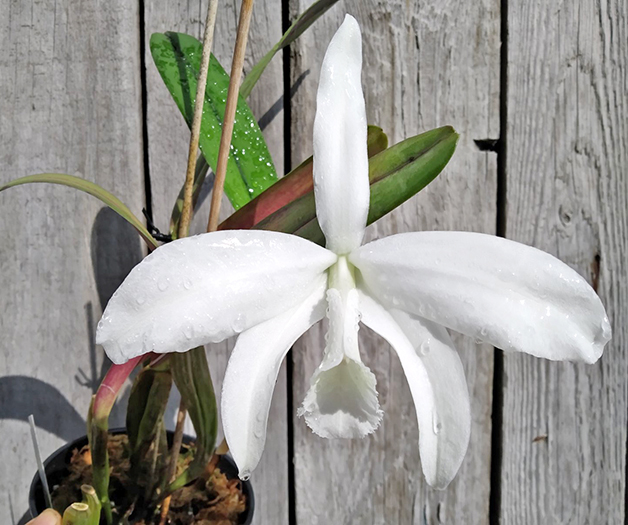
(271, 287)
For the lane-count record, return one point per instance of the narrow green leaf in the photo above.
(395, 174)
(291, 187)
(144, 421)
(250, 169)
(191, 375)
(93, 189)
(300, 25)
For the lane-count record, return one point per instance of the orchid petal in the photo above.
(206, 288)
(342, 399)
(251, 375)
(341, 183)
(437, 384)
(511, 295)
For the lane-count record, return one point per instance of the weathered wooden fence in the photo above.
(79, 94)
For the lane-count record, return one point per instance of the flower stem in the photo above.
(230, 110)
(186, 213)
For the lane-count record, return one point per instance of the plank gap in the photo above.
(500, 229)
(148, 196)
(287, 156)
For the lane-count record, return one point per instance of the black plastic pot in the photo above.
(57, 468)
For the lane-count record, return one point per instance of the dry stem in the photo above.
(186, 212)
(230, 110)
(177, 440)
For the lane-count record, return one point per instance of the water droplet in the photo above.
(140, 299)
(424, 349)
(245, 475)
(238, 324)
(436, 424)
(188, 331)
(187, 284)
(258, 434)
(483, 332)
(163, 285)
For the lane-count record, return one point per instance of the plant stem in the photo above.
(230, 110)
(186, 213)
(177, 440)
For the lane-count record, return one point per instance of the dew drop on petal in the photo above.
(424, 348)
(187, 284)
(436, 424)
(245, 475)
(140, 299)
(163, 285)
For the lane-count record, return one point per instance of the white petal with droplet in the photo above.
(251, 374)
(341, 183)
(437, 383)
(511, 295)
(219, 284)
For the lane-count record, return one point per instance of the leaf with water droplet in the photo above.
(177, 57)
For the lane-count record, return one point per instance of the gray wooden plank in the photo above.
(70, 82)
(565, 424)
(425, 65)
(168, 140)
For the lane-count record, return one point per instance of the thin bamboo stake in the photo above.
(177, 440)
(186, 212)
(40, 464)
(230, 110)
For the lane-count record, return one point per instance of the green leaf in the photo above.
(250, 169)
(145, 426)
(93, 189)
(191, 375)
(294, 185)
(300, 25)
(395, 174)
(147, 403)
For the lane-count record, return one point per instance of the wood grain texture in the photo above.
(168, 139)
(71, 102)
(567, 191)
(425, 65)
